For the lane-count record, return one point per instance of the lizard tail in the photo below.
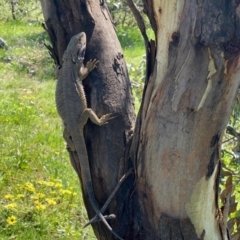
(83, 164)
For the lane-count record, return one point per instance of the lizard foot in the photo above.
(105, 118)
(84, 71)
(91, 64)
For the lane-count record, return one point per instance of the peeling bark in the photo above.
(186, 107)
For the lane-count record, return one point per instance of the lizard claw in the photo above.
(105, 118)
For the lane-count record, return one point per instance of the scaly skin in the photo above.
(72, 108)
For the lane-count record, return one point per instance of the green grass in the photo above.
(27, 54)
(134, 52)
(132, 43)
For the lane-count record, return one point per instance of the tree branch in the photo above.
(139, 19)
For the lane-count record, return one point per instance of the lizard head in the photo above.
(76, 48)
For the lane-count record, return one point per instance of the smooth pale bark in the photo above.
(186, 107)
(107, 90)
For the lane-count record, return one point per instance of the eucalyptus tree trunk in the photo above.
(192, 78)
(186, 106)
(107, 90)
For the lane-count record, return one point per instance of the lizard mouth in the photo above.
(81, 54)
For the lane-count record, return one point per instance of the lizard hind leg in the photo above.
(89, 113)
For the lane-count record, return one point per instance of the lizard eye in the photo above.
(74, 59)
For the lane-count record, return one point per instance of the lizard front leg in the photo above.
(85, 70)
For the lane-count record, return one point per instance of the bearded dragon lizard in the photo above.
(72, 108)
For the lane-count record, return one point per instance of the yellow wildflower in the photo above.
(29, 187)
(50, 184)
(37, 202)
(9, 196)
(31, 96)
(11, 206)
(65, 191)
(41, 182)
(57, 180)
(11, 220)
(38, 196)
(51, 201)
(72, 205)
(40, 207)
(20, 196)
(58, 185)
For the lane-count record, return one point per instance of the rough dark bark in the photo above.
(107, 90)
(192, 78)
